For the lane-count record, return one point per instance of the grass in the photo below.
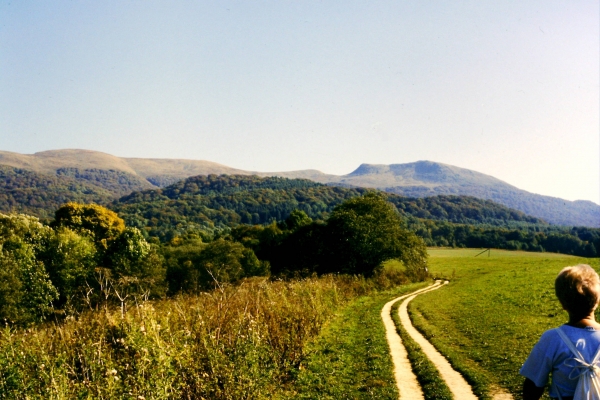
(350, 358)
(487, 319)
(315, 338)
(242, 342)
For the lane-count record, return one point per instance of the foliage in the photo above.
(118, 183)
(357, 238)
(552, 209)
(365, 231)
(26, 292)
(97, 222)
(195, 266)
(579, 241)
(239, 342)
(44, 268)
(39, 194)
(70, 260)
(209, 203)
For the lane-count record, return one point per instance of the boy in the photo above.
(578, 290)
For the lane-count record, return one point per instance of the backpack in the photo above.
(587, 374)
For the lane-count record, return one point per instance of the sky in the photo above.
(506, 88)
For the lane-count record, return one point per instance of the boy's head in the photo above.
(578, 289)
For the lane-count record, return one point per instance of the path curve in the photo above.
(406, 381)
(455, 381)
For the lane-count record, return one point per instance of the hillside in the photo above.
(40, 194)
(206, 203)
(120, 176)
(425, 178)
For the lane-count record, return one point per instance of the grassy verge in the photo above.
(493, 311)
(241, 342)
(434, 387)
(350, 358)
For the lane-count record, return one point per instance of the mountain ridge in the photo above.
(417, 179)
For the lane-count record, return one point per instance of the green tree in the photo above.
(70, 260)
(192, 267)
(365, 231)
(135, 264)
(97, 222)
(26, 292)
(296, 220)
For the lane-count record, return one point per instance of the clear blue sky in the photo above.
(508, 88)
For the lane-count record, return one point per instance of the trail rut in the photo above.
(406, 380)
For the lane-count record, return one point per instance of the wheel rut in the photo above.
(406, 381)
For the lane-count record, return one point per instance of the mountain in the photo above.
(426, 178)
(154, 172)
(118, 176)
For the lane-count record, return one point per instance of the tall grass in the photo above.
(242, 342)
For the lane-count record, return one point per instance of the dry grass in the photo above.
(240, 342)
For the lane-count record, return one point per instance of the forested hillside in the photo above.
(207, 205)
(122, 176)
(40, 195)
(427, 178)
(118, 183)
(211, 202)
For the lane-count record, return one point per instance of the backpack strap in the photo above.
(571, 346)
(581, 366)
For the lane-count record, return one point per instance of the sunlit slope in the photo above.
(426, 178)
(418, 179)
(494, 309)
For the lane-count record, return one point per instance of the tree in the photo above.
(135, 264)
(70, 260)
(97, 222)
(26, 292)
(296, 220)
(194, 267)
(365, 231)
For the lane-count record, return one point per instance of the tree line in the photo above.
(87, 256)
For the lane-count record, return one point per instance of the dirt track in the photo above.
(406, 381)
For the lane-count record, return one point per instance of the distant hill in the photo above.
(120, 176)
(205, 203)
(426, 178)
(40, 194)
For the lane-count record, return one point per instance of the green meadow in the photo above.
(306, 339)
(492, 312)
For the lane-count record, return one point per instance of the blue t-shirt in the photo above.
(549, 356)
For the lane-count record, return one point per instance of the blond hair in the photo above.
(578, 289)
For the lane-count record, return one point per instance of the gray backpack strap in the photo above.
(578, 357)
(571, 346)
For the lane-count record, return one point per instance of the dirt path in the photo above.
(406, 381)
(456, 383)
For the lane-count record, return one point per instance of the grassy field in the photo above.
(315, 338)
(349, 359)
(492, 312)
(242, 342)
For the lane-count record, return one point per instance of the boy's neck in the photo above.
(579, 322)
